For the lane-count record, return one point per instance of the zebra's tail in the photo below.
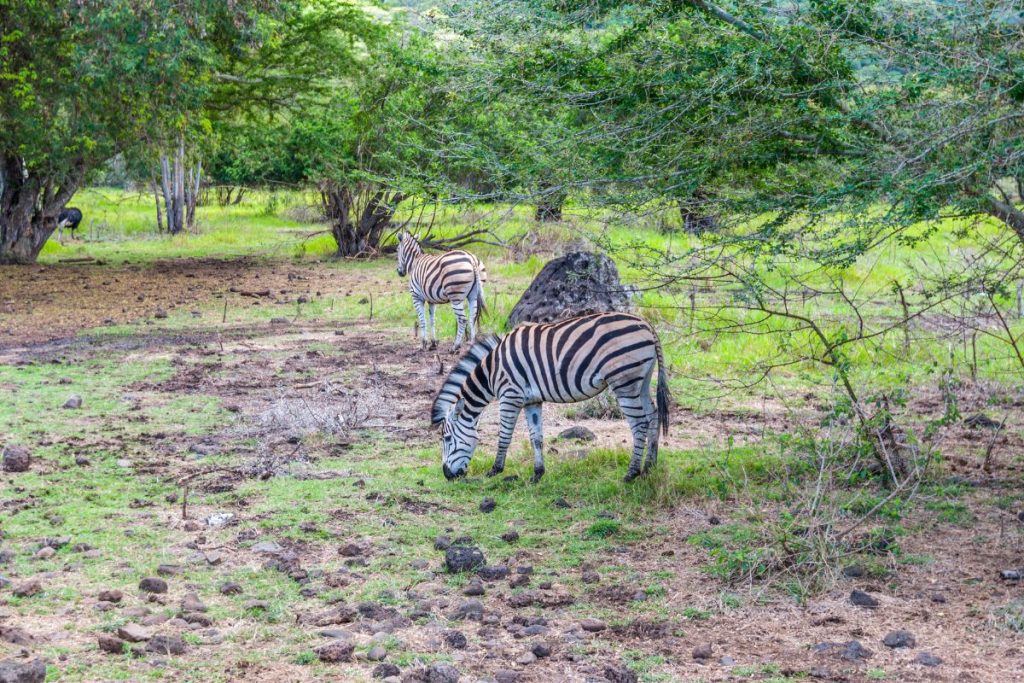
(481, 304)
(664, 398)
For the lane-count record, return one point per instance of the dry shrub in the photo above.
(305, 213)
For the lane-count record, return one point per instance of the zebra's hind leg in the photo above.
(633, 409)
(432, 309)
(509, 415)
(536, 424)
(652, 427)
(460, 316)
(418, 303)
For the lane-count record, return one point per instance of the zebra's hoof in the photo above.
(433, 345)
(537, 474)
(630, 476)
(494, 472)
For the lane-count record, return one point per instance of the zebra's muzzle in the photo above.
(449, 475)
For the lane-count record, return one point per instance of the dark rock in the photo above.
(862, 599)
(230, 588)
(111, 645)
(562, 503)
(851, 651)
(114, 596)
(703, 652)
(385, 670)
(574, 284)
(519, 580)
(577, 434)
(440, 672)
(616, 673)
(591, 577)
(166, 645)
(160, 314)
(376, 654)
(938, 598)
(455, 639)
(74, 402)
(470, 609)
(350, 550)
(14, 671)
(927, 659)
(474, 588)
(133, 633)
(442, 543)
(192, 603)
(463, 559)
(494, 572)
(487, 504)
(15, 459)
(854, 571)
(593, 625)
(153, 585)
(510, 536)
(336, 651)
(169, 570)
(28, 589)
(541, 650)
(465, 539)
(506, 676)
(899, 638)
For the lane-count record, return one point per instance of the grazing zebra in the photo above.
(455, 276)
(561, 362)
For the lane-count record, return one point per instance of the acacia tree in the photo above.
(81, 82)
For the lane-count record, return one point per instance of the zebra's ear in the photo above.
(401, 235)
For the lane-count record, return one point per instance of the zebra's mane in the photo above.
(451, 390)
(407, 237)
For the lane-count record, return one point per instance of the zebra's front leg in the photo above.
(432, 309)
(509, 415)
(418, 303)
(460, 316)
(536, 425)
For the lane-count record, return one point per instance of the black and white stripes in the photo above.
(560, 362)
(455, 276)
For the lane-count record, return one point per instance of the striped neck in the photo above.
(468, 387)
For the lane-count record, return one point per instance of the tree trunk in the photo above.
(1007, 213)
(165, 183)
(691, 210)
(159, 211)
(358, 217)
(29, 206)
(549, 207)
(181, 189)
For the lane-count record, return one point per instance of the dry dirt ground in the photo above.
(373, 375)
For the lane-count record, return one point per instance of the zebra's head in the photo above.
(408, 250)
(458, 441)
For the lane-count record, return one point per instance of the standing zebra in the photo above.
(561, 362)
(455, 276)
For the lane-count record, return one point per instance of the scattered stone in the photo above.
(470, 609)
(419, 565)
(350, 550)
(230, 588)
(134, 633)
(593, 625)
(166, 645)
(16, 636)
(463, 559)
(114, 596)
(44, 553)
(192, 603)
(526, 658)
(591, 577)
(169, 570)
(494, 572)
(13, 671)
(124, 463)
(475, 588)
(385, 670)
(541, 650)
(81, 461)
(442, 543)
(562, 503)
(376, 654)
(197, 618)
(28, 589)
(74, 402)
(862, 599)
(267, 548)
(465, 539)
(213, 557)
(851, 651)
(519, 580)
(219, 519)
(620, 674)
(155, 619)
(256, 605)
(111, 645)
(510, 536)
(703, 652)
(854, 571)
(577, 434)
(335, 651)
(160, 314)
(938, 598)
(726, 660)
(153, 584)
(927, 659)
(487, 504)
(440, 672)
(455, 639)
(899, 638)
(15, 459)
(506, 676)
